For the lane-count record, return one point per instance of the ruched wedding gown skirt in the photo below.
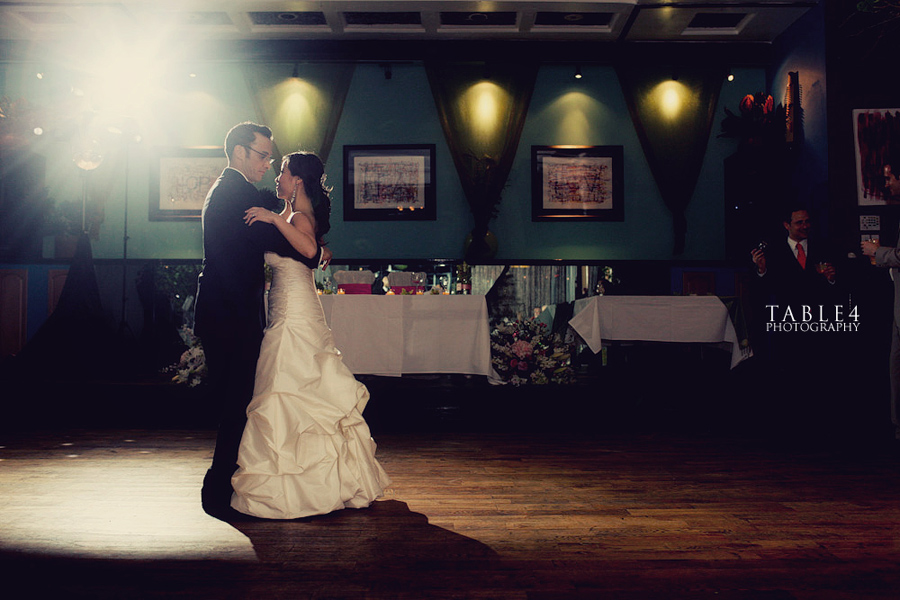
(306, 449)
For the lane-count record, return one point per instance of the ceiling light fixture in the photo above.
(577, 71)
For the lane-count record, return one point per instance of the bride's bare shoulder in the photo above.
(300, 219)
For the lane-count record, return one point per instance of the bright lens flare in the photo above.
(125, 78)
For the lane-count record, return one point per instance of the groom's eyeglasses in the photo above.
(265, 156)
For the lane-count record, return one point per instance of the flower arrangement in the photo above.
(760, 124)
(191, 368)
(524, 351)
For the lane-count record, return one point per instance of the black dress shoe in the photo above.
(227, 514)
(215, 496)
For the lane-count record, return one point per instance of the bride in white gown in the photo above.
(306, 449)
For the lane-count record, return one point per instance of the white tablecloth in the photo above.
(685, 319)
(402, 334)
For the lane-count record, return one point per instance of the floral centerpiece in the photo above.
(524, 352)
(191, 368)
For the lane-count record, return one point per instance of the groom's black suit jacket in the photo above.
(230, 293)
(229, 316)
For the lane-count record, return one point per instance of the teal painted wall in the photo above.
(197, 112)
(400, 110)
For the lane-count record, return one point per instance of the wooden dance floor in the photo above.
(116, 514)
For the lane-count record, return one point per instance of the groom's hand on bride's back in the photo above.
(325, 257)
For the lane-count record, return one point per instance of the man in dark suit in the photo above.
(890, 257)
(794, 277)
(791, 271)
(229, 316)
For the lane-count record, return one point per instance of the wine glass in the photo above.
(418, 279)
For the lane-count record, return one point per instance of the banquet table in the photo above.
(402, 334)
(683, 319)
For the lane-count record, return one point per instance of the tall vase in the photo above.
(480, 247)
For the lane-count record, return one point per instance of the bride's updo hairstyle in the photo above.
(308, 167)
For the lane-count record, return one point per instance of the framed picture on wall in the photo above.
(577, 182)
(876, 134)
(389, 183)
(180, 179)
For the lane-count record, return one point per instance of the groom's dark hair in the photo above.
(243, 134)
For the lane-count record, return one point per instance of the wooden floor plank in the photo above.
(116, 513)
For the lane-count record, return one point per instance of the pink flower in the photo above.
(522, 349)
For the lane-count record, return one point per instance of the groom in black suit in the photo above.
(229, 316)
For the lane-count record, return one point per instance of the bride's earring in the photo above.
(294, 197)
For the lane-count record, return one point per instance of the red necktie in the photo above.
(801, 256)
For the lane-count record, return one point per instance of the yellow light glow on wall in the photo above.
(297, 105)
(482, 106)
(576, 114)
(671, 99)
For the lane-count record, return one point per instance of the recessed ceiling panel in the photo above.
(382, 18)
(573, 19)
(610, 20)
(478, 19)
(729, 20)
(744, 23)
(37, 21)
(404, 23)
(288, 18)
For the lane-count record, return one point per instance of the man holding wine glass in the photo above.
(795, 298)
(884, 256)
(791, 271)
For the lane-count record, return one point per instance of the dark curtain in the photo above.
(75, 342)
(674, 145)
(302, 103)
(483, 145)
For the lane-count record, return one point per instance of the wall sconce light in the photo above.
(577, 71)
(730, 76)
(296, 72)
(387, 71)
